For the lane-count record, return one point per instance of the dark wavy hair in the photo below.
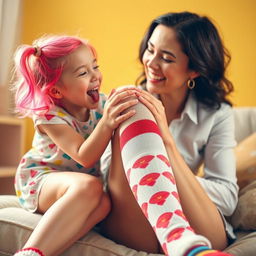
(201, 42)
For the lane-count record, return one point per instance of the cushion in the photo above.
(244, 245)
(9, 201)
(17, 224)
(244, 216)
(246, 160)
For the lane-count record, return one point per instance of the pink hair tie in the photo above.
(38, 51)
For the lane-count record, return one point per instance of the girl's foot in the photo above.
(29, 252)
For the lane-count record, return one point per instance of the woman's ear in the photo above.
(194, 74)
(55, 92)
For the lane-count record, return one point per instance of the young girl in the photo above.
(58, 83)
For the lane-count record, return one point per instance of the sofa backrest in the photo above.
(245, 122)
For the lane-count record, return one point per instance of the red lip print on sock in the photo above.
(175, 234)
(149, 179)
(159, 198)
(142, 162)
(164, 159)
(170, 177)
(181, 214)
(134, 190)
(176, 195)
(164, 220)
(144, 208)
(164, 247)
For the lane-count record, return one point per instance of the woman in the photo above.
(186, 91)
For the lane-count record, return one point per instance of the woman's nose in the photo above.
(152, 62)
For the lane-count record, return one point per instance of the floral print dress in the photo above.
(46, 157)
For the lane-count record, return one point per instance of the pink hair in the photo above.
(37, 74)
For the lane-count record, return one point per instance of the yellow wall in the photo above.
(116, 27)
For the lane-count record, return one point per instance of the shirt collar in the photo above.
(191, 108)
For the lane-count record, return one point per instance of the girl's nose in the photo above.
(95, 75)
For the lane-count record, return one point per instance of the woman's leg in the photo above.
(126, 224)
(153, 184)
(72, 204)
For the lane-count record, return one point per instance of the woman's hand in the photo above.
(118, 101)
(157, 109)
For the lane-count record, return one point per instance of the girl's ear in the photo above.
(55, 92)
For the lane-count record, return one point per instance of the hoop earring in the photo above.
(191, 84)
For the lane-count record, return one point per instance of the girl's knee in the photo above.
(87, 188)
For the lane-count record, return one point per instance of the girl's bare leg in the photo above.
(72, 204)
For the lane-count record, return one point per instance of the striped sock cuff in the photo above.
(137, 128)
(30, 251)
(205, 251)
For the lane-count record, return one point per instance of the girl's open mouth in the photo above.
(94, 94)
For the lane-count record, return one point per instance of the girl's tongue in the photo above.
(94, 94)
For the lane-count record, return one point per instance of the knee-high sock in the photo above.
(153, 184)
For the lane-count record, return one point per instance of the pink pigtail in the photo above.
(26, 84)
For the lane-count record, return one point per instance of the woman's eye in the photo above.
(167, 60)
(150, 50)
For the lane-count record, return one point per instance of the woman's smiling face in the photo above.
(165, 64)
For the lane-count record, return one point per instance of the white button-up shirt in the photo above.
(203, 135)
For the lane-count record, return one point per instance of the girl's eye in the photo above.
(83, 73)
(96, 67)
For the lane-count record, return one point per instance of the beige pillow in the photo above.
(244, 216)
(246, 160)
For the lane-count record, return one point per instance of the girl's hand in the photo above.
(116, 109)
(157, 109)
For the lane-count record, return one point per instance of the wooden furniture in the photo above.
(12, 135)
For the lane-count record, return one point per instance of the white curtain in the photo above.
(10, 13)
